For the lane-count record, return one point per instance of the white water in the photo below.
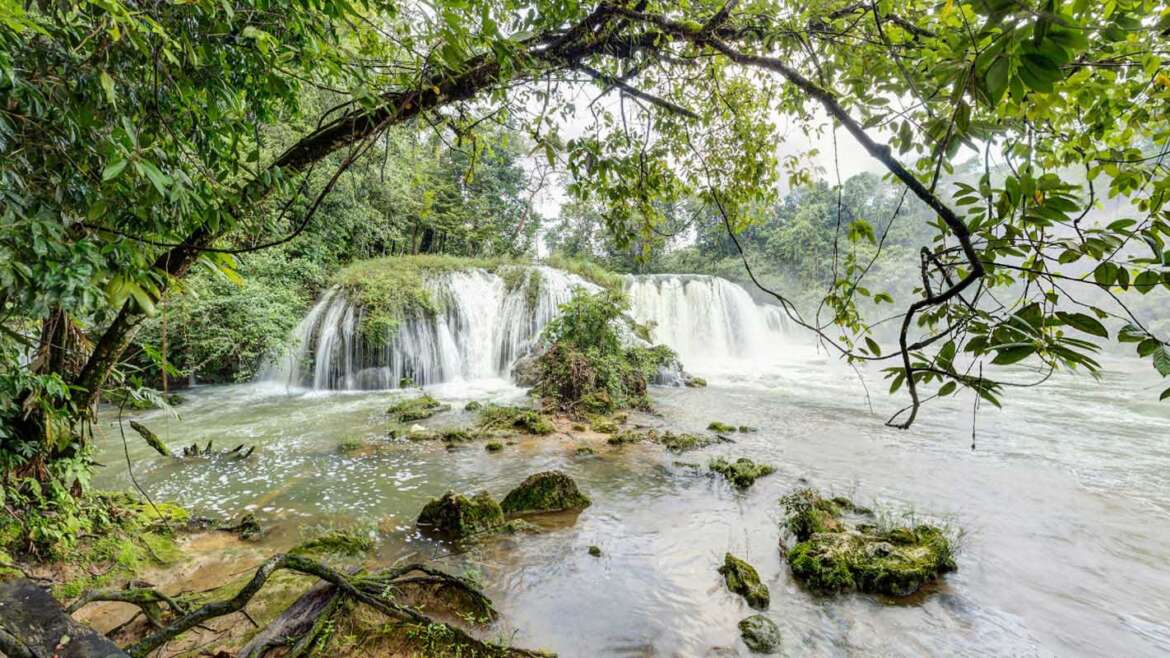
(480, 332)
(713, 324)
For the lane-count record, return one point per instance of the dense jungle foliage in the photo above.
(170, 168)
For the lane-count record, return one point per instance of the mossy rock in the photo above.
(493, 446)
(455, 516)
(742, 579)
(716, 426)
(806, 513)
(474, 405)
(630, 436)
(834, 555)
(760, 634)
(895, 562)
(584, 450)
(595, 551)
(743, 472)
(695, 382)
(548, 491)
(748, 428)
(604, 425)
(685, 442)
(495, 416)
(416, 408)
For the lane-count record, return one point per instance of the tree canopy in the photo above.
(141, 139)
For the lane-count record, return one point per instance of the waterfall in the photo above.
(479, 332)
(706, 319)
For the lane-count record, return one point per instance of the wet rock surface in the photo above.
(760, 634)
(742, 579)
(549, 491)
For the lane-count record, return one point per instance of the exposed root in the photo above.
(300, 626)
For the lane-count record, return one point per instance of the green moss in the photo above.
(747, 428)
(351, 543)
(584, 450)
(578, 427)
(684, 442)
(834, 555)
(716, 426)
(760, 634)
(493, 446)
(595, 551)
(629, 436)
(603, 425)
(742, 579)
(474, 405)
(528, 420)
(743, 472)
(696, 382)
(549, 491)
(416, 408)
(586, 269)
(532, 288)
(389, 289)
(456, 516)
(350, 445)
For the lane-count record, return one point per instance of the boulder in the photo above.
(455, 516)
(32, 623)
(549, 491)
(526, 369)
(743, 579)
(760, 634)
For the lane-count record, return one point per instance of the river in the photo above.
(1063, 507)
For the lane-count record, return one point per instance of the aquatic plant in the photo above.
(743, 472)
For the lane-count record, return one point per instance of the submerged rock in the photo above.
(743, 579)
(716, 426)
(493, 446)
(456, 516)
(495, 416)
(416, 408)
(743, 472)
(834, 555)
(685, 442)
(549, 491)
(760, 634)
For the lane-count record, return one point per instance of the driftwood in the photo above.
(151, 438)
(33, 625)
(156, 442)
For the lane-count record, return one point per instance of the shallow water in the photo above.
(1064, 507)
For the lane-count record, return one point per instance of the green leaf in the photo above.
(113, 169)
(946, 389)
(1165, 394)
(1010, 355)
(995, 80)
(1082, 322)
(1105, 274)
(1146, 281)
(108, 87)
(1162, 361)
(874, 348)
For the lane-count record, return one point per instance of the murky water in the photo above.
(1064, 506)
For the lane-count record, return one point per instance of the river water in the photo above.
(1062, 507)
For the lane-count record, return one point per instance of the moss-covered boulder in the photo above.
(416, 408)
(835, 554)
(716, 426)
(742, 579)
(549, 491)
(455, 516)
(760, 634)
(531, 421)
(742, 472)
(685, 442)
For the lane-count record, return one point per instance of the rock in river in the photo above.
(760, 634)
(549, 491)
(456, 516)
(742, 579)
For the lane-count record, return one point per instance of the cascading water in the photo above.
(709, 321)
(482, 328)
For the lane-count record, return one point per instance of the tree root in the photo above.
(314, 609)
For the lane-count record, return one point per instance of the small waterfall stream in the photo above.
(483, 328)
(706, 319)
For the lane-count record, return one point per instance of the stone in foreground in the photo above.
(760, 634)
(743, 579)
(455, 516)
(549, 491)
